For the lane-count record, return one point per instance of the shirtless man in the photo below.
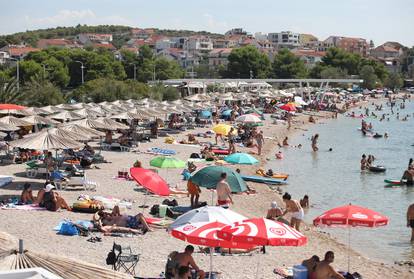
(410, 220)
(296, 209)
(186, 259)
(364, 162)
(409, 175)
(324, 270)
(108, 223)
(223, 191)
(311, 264)
(315, 142)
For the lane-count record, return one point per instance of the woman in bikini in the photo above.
(294, 207)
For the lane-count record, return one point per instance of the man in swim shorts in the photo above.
(294, 207)
(410, 220)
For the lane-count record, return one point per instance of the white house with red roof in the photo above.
(90, 38)
(60, 43)
(309, 56)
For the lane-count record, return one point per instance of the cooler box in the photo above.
(300, 272)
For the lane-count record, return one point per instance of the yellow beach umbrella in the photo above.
(223, 129)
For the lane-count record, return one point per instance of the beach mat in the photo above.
(84, 223)
(27, 207)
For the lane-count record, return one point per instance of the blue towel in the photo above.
(84, 223)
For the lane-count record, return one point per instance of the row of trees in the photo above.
(248, 62)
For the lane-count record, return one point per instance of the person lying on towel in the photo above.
(123, 223)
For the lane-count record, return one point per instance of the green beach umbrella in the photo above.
(208, 177)
(241, 159)
(163, 162)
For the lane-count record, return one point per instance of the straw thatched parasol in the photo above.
(11, 120)
(112, 124)
(13, 258)
(78, 106)
(37, 119)
(126, 116)
(45, 141)
(51, 109)
(66, 115)
(75, 128)
(34, 111)
(64, 106)
(8, 127)
(87, 112)
(92, 124)
(64, 134)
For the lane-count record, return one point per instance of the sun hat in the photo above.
(49, 187)
(273, 204)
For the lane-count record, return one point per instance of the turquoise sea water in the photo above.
(334, 178)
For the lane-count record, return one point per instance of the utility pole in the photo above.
(17, 72)
(82, 67)
(135, 70)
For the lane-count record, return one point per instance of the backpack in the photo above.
(111, 258)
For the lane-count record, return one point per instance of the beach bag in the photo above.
(155, 209)
(68, 228)
(111, 258)
(170, 202)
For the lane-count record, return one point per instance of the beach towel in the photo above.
(22, 207)
(284, 272)
(5, 179)
(110, 202)
(161, 151)
(83, 223)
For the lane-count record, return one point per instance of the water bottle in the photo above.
(162, 275)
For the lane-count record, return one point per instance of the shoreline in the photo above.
(153, 255)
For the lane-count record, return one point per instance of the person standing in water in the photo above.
(314, 140)
(410, 220)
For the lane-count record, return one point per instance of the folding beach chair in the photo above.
(124, 259)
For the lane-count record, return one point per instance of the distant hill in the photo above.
(119, 32)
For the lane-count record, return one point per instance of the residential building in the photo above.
(308, 40)
(182, 57)
(17, 51)
(198, 44)
(392, 64)
(219, 56)
(105, 45)
(90, 38)
(386, 51)
(284, 39)
(139, 33)
(224, 43)
(309, 56)
(235, 31)
(164, 43)
(354, 45)
(60, 43)
(260, 36)
(4, 55)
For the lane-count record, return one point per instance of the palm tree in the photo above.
(9, 92)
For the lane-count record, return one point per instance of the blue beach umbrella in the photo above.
(226, 112)
(205, 114)
(241, 159)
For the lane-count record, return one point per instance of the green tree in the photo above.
(41, 92)
(287, 65)
(170, 94)
(29, 69)
(394, 81)
(8, 90)
(105, 89)
(367, 73)
(379, 68)
(339, 58)
(166, 69)
(247, 61)
(333, 73)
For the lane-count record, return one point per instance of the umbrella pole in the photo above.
(258, 266)
(349, 247)
(211, 262)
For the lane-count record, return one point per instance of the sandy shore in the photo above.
(36, 227)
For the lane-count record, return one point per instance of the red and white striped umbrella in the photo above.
(205, 234)
(263, 232)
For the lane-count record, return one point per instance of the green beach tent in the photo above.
(208, 177)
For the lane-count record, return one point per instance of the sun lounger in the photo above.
(5, 179)
(23, 207)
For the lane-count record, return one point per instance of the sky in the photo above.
(377, 20)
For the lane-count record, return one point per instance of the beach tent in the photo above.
(45, 141)
(205, 114)
(208, 177)
(12, 258)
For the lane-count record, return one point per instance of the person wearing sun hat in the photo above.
(51, 200)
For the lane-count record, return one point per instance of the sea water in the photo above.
(333, 178)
